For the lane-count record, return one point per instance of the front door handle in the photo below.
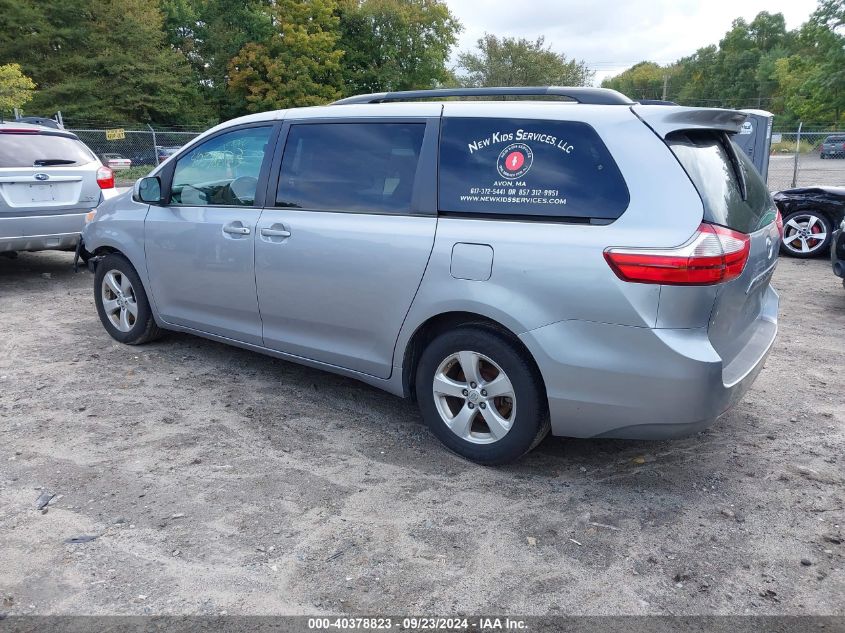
(236, 228)
(275, 233)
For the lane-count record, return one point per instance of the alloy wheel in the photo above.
(804, 234)
(474, 397)
(119, 302)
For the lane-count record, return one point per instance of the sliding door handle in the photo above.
(275, 233)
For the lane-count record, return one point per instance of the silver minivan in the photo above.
(589, 265)
(49, 181)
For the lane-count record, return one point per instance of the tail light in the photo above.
(779, 223)
(712, 255)
(105, 177)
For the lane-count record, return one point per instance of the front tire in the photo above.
(806, 234)
(122, 302)
(481, 395)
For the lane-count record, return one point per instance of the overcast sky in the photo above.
(612, 36)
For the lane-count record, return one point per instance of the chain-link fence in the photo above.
(798, 159)
(806, 158)
(133, 152)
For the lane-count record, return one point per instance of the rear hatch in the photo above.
(45, 173)
(734, 196)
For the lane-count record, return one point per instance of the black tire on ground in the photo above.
(818, 249)
(530, 423)
(144, 328)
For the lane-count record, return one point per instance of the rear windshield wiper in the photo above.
(46, 162)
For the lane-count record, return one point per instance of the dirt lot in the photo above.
(217, 480)
(812, 170)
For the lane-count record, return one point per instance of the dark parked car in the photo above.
(166, 152)
(809, 217)
(142, 156)
(837, 253)
(834, 146)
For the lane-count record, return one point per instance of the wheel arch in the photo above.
(435, 325)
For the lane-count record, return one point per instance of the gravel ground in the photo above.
(218, 480)
(812, 170)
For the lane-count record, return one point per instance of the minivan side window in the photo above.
(528, 167)
(222, 171)
(363, 167)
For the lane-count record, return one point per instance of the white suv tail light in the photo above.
(105, 177)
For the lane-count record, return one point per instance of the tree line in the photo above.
(797, 74)
(197, 62)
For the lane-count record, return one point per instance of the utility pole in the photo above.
(665, 86)
(797, 151)
(155, 145)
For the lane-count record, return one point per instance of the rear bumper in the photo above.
(43, 232)
(606, 380)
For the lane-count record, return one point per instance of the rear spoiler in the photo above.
(664, 119)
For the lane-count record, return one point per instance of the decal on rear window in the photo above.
(528, 167)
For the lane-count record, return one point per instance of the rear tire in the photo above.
(801, 226)
(122, 302)
(481, 395)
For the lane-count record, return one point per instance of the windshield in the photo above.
(42, 150)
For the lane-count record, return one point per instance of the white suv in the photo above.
(49, 180)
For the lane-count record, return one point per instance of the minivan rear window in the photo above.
(42, 150)
(528, 167)
(733, 193)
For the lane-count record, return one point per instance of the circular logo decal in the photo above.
(514, 161)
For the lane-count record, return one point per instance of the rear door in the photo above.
(341, 248)
(45, 173)
(734, 196)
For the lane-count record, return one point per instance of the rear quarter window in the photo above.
(528, 167)
(733, 193)
(42, 150)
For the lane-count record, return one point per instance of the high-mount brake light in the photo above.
(714, 254)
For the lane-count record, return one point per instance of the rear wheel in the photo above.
(806, 234)
(122, 303)
(481, 395)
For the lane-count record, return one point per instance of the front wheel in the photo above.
(806, 234)
(122, 303)
(481, 395)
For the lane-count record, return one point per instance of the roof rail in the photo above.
(594, 96)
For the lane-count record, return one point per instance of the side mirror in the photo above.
(148, 190)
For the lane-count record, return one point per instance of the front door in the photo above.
(200, 247)
(341, 255)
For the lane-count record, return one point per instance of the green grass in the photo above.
(788, 147)
(132, 174)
